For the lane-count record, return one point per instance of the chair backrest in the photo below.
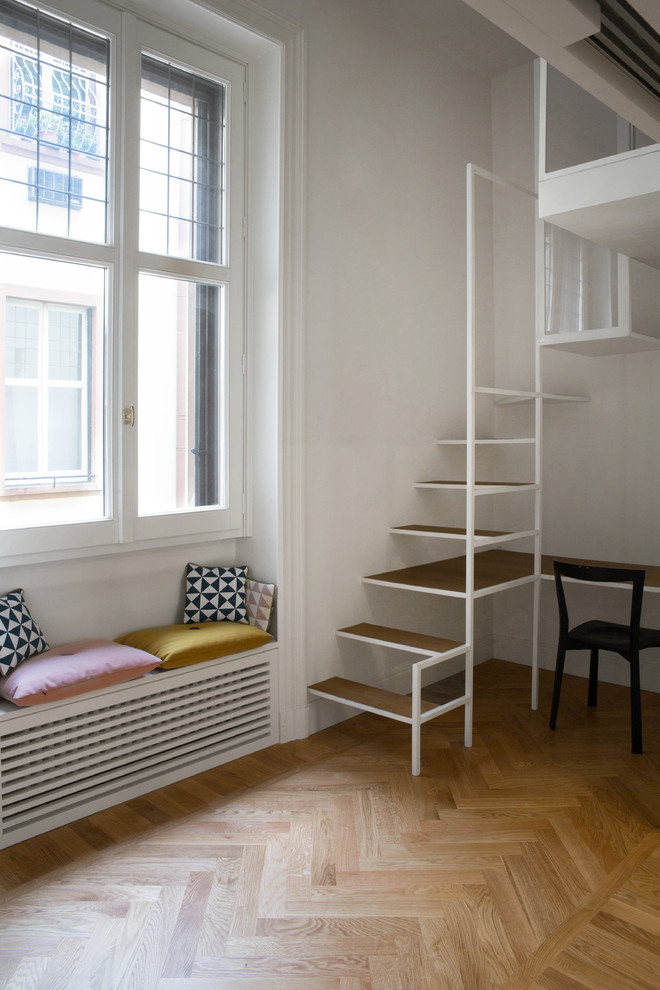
(602, 575)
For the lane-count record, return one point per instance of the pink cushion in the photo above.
(65, 671)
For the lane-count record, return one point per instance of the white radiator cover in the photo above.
(65, 760)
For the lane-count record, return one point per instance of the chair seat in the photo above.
(601, 635)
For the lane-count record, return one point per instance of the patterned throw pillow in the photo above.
(215, 594)
(259, 598)
(20, 636)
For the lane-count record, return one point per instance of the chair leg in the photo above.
(592, 699)
(559, 671)
(635, 706)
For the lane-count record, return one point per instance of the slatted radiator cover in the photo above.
(60, 762)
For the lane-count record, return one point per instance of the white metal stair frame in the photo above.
(419, 713)
(501, 395)
(455, 577)
(482, 538)
(479, 487)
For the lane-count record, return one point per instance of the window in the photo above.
(55, 188)
(181, 163)
(180, 433)
(181, 322)
(190, 300)
(52, 404)
(46, 413)
(56, 99)
(121, 354)
(54, 113)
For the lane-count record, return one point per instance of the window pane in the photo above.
(181, 165)
(182, 137)
(64, 345)
(22, 328)
(64, 430)
(21, 453)
(153, 158)
(53, 123)
(53, 394)
(153, 234)
(180, 234)
(153, 190)
(180, 413)
(181, 200)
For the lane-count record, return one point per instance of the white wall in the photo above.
(260, 550)
(103, 597)
(391, 126)
(394, 113)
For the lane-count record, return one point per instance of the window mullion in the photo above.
(126, 283)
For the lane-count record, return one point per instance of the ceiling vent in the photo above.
(629, 41)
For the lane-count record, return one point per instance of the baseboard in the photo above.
(294, 724)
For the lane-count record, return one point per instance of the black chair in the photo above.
(598, 634)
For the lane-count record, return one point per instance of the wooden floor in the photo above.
(531, 860)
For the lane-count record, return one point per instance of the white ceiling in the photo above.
(552, 29)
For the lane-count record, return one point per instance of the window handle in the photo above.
(128, 416)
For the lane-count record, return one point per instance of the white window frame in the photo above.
(228, 521)
(120, 257)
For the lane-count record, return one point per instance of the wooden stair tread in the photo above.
(401, 637)
(490, 569)
(454, 530)
(495, 441)
(353, 692)
(479, 484)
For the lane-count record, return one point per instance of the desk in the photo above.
(651, 584)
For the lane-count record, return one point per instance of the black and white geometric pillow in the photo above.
(20, 636)
(215, 594)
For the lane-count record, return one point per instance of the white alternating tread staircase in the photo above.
(483, 569)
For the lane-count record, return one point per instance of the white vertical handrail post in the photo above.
(540, 86)
(539, 330)
(470, 450)
(416, 727)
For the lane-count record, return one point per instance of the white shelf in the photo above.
(480, 488)
(495, 441)
(545, 396)
(600, 343)
(613, 201)
(509, 396)
(513, 393)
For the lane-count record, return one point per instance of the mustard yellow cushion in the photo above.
(182, 645)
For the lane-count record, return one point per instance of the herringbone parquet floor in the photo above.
(530, 861)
